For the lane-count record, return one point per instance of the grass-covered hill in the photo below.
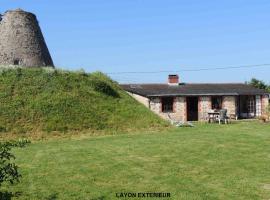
(46, 100)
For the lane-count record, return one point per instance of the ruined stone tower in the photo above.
(21, 40)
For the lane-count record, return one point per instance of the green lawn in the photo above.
(205, 162)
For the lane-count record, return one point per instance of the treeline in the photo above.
(259, 84)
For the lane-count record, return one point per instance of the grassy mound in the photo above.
(48, 100)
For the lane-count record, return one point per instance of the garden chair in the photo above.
(223, 116)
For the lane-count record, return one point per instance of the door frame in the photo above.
(196, 116)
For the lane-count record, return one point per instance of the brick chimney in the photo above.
(173, 79)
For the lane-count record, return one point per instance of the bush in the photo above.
(263, 118)
(268, 112)
(8, 169)
(2, 129)
(103, 87)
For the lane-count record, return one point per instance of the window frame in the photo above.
(219, 103)
(169, 107)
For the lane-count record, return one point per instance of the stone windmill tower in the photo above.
(21, 40)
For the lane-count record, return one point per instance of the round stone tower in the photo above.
(21, 40)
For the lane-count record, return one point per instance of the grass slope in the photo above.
(33, 100)
(204, 162)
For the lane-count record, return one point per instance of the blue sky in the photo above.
(156, 35)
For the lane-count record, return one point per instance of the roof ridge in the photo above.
(184, 83)
(219, 83)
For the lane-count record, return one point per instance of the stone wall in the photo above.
(179, 111)
(204, 107)
(21, 40)
(155, 105)
(265, 104)
(229, 103)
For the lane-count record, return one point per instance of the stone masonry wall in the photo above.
(229, 103)
(179, 113)
(265, 103)
(21, 40)
(204, 107)
(180, 107)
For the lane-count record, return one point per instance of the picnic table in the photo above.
(213, 116)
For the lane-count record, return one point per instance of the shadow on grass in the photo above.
(52, 197)
(99, 198)
(9, 195)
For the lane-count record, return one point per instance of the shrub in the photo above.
(2, 129)
(263, 118)
(103, 87)
(268, 112)
(8, 169)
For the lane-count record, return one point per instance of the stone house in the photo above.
(192, 102)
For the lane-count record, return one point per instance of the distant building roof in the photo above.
(191, 89)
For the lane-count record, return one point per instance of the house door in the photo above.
(247, 106)
(192, 108)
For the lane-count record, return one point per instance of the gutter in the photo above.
(204, 94)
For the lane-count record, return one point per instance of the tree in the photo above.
(258, 83)
(8, 169)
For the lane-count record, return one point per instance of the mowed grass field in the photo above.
(208, 161)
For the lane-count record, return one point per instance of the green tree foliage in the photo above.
(258, 84)
(8, 169)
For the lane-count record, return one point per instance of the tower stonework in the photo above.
(21, 40)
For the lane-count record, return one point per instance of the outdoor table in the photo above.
(213, 116)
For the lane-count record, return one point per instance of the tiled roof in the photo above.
(193, 89)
